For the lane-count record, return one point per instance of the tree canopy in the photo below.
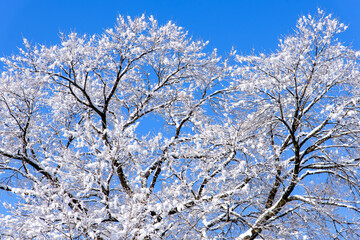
(141, 133)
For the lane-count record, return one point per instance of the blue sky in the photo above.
(243, 24)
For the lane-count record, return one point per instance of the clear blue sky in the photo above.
(244, 24)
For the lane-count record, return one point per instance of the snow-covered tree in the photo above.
(139, 133)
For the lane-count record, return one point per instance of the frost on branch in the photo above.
(139, 133)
